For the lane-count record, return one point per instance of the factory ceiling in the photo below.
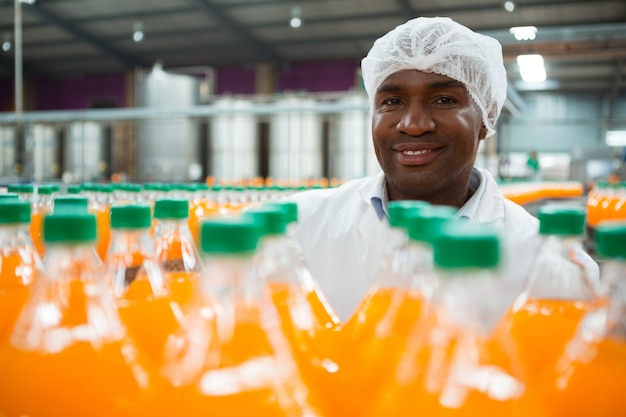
(583, 43)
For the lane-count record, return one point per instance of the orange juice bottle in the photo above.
(453, 365)
(68, 354)
(176, 250)
(594, 202)
(561, 288)
(247, 368)
(41, 206)
(20, 264)
(590, 376)
(376, 335)
(153, 319)
(309, 323)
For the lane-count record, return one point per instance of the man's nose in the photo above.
(416, 120)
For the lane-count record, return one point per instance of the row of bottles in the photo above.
(233, 322)
(606, 202)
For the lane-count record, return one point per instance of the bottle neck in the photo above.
(474, 298)
(231, 278)
(72, 261)
(561, 271)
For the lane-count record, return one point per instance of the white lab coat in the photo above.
(343, 239)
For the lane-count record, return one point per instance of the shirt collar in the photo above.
(380, 200)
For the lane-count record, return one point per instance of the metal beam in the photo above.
(264, 51)
(126, 60)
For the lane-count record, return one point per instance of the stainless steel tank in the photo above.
(168, 147)
(86, 153)
(234, 140)
(42, 159)
(7, 151)
(295, 141)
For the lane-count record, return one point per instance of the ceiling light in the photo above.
(27, 1)
(524, 33)
(138, 31)
(509, 6)
(296, 17)
(531, 68)
(6, 42)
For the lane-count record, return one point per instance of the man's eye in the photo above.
(445, 100)
(392, 101)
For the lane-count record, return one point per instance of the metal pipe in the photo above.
(19, 101)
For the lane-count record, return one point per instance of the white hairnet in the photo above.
(440, 45)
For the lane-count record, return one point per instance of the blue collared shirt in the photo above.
(380, 199)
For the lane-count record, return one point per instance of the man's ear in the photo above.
(483, 132)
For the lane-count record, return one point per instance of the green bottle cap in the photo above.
(425, 224)
(289, 207)
(74, 189)
(271, 220)
(611, 240)
(14, 211)
(398, 210)
(21, 188)
(561, 220)
(131, 216)
(229, 236)
(462, 244)
(45, 189)
(9, 196)
(69, 227)
(69, 203)
(171, 208)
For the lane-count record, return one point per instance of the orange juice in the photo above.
(36, 228)
(104, 230)
(371, 344)
(150, 320)
(451, 370)
(311, 331)
(20, 265)
(18, 269)
(11, 303)
(241, 375)
(541, 330)
(67, 366)
(591, 382)
(80, 380)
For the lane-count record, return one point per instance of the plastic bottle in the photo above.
(176, 250)
(20, 264)
(68, 355)
(41, 206)
(561, 288)
(376, 336)
(453, 365)
(590, 376)
(308, 322)
(247, 369)
(153, 319)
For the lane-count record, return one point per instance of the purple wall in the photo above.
(109, 90)
(234, 80)
(80, 93)
(318, 76)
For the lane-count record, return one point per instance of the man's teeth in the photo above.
(416, 152)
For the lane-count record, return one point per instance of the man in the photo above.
(436, 90)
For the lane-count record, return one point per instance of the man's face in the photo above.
(426, 130)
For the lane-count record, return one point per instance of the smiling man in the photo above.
(436, 90)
